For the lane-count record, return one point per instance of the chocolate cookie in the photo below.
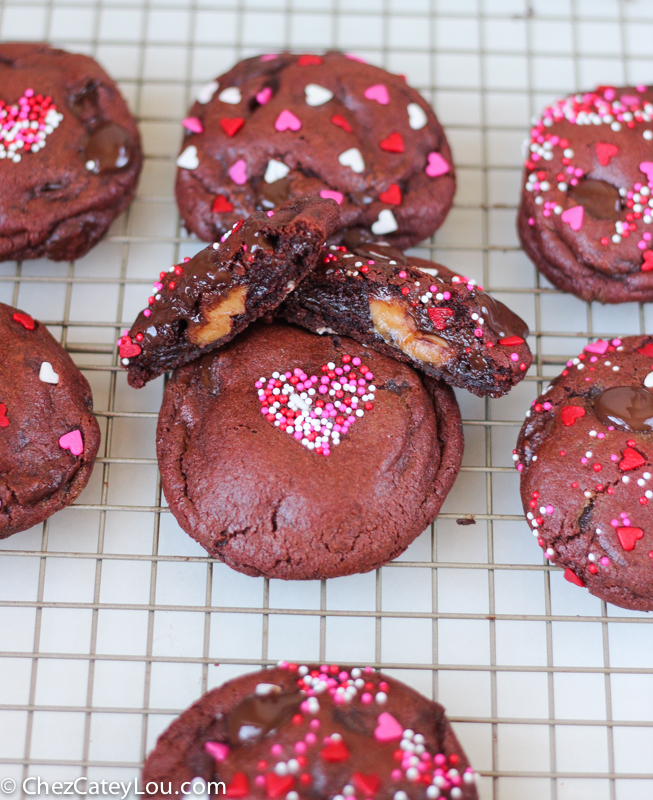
(70, 153)
(48, 434)
(585, 454)
(204, 302)
(586, 210)
(441, 323)
(297, 456)
(314, 732)
(280, 126)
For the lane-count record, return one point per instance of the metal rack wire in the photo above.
(113, 620)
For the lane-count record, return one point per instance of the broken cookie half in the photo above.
(440, 322)
(204, 302)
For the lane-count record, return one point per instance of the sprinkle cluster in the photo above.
(286, 774)
(550, 183)
(25, 126)
(596, 474)
(318, 411)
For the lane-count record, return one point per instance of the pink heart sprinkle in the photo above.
(287, 120)
(647, 169)
(268, 57)
(574, 217)
(379, 93)
(387, 728)
(72, 441)
(436, 165)
(238, 172)
(329, 195)
(193, 124)
(264, 96)
(629, 100)
(599, 347)
(218, 750)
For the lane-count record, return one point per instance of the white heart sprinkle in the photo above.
(317, 95)
(206, 92)
(386, 223)
(352, 158)
(648, 380)
(263, 689)
(416, 116)
(188, 159)
(231, 95)
(275, 171)
(47, 374)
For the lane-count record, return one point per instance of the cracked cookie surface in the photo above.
(48, 434)
(585, 454)
(70, 154)
(296, 456)
(276, 127)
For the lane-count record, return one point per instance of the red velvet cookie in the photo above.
(277, 127)
(48, 434)
(585, 454)
(586, 213)
(204, 302)
(312, 733)
(70, 153)
(439, 322)
(298, 456)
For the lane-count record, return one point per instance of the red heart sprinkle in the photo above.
(278, 785)
(570, 575)
(647, 264)
(25, 320)
(221, 205)
(647, 350)
(393, 144)
(366, 784)
(631, 459)
(239, 786)
(128, 349)
(511, 341)
(604, 152)
(4, 421)
(341, 122)
(439, 317)
(628, 537)
(391, 196)
(308, 59)
(570, 414)
(231, 126)
(335, 751)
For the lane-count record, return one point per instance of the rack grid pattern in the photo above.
(112, 620)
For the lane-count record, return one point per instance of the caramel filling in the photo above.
(218, 319)
(397, 327)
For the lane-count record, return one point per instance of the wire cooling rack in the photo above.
(112, 620)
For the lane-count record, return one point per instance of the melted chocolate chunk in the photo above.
(628, 408)
(108, 149)
(257, 715)
(500, 318)
(600, 199)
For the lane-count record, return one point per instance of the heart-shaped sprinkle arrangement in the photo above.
(26, 125)
(317, 411)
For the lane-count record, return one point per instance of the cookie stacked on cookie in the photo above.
(268, 431)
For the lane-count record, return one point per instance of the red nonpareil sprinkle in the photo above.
(405, 290)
